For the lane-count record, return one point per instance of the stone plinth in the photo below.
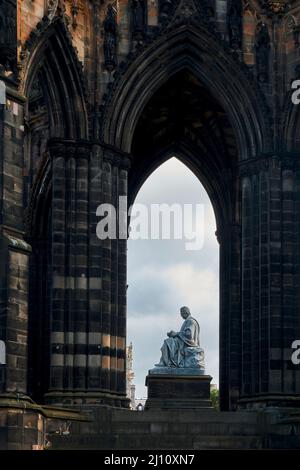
(178, 389)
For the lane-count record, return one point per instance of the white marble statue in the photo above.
(182, 349)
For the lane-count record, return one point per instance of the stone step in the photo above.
(188, 442)
(156, 442)
(210, 429)
(186, 416)
(124, 429)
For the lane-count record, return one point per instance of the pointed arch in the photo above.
(194, 49)
(220, 197)
(50, 55)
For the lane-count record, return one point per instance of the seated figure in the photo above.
(182, 349)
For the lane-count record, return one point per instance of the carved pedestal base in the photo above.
(176, 392)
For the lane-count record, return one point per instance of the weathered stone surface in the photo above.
(193, 79)
(178, 391)
(194, 429)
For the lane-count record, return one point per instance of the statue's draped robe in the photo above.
(173, 349)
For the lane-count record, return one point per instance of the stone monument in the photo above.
(179, 381)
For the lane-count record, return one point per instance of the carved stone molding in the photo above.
(33, 41)
(186, 12)
(69, 148)
(265, 163)
(160, 35)
(116, 157)
(62, 148)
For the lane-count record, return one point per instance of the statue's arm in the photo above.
(188, 333)
(173, 334)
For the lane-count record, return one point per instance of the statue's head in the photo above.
(185, 312)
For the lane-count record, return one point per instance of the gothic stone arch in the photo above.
(240, 176)
(182, 91)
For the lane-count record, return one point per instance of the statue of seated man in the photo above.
(182, 349)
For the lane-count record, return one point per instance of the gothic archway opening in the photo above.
(184, 119)
(182, 268)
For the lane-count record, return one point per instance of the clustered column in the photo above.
(114, 285)
(88, 314)
(69, 312)
(270, 272)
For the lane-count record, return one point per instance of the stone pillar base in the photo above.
(176, 392)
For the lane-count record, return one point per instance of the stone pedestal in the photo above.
(178, 389)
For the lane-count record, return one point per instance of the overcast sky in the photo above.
(163, 276)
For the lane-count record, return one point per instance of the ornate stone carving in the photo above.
(235, 24)
(115, 157)
(178, 11)
(57, 8)
(275, 8)
(52, 7)
(74, 12)
(7, 23)
(158, 35)
(138, 9)
(110, 38)
(207, 12)
(8, 37)
(187, 11)
(292, 27)
(264, 163)
(262, 52)
(61, 27)
(166, 7)
(36, 103)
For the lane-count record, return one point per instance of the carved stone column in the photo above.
(88, 307)
(114, 285)
(69, 270)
